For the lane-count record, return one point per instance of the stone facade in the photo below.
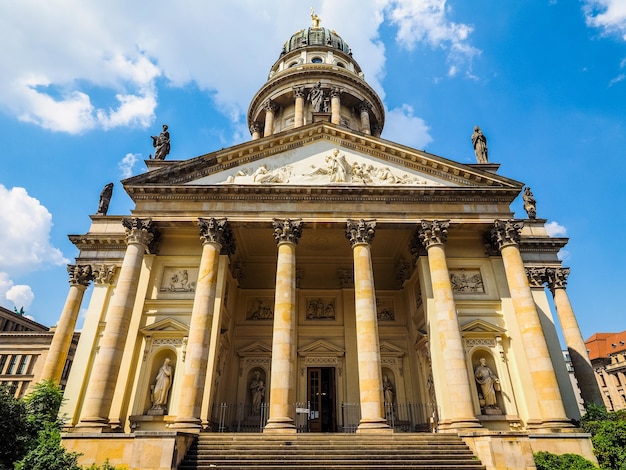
(321, 274)
(608, 357)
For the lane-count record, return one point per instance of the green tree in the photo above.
(49, 454)
(15, 436)
(549, 461)
(608, 435)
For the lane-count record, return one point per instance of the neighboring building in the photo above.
(574, 381)
(607, 352)
(24, 346)
(320, 278)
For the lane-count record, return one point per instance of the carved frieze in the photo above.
(179, 279)
(260, 308)
(384, 309)
(320, 308)
(346, 278)
(466, 281)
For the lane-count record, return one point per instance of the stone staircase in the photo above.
(330, 451)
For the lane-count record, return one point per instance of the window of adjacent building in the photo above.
(21, 369)
(3, 361)
(602, 381)
(12, 364)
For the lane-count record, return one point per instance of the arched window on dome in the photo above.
(293, 64)
(341, 64)
(317, 60)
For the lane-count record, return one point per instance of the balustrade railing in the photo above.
(402, 417)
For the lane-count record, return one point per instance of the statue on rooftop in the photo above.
(530, 204)
(105, 199)
(480, 145)
(316, 97)
(161, 143)
(315, 20)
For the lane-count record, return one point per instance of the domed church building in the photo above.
(319, 280)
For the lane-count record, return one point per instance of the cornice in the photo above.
(103, 241)
(181, 172)
(542, 244)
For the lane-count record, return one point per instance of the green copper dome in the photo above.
(316, 37)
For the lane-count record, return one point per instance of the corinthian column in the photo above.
(298, 119)
(361, 233)
(141, 236)
(282, 394)
(80, 276)
(255, 130)
(270, 110)
(456, 409)
(335, 105)
(557, 281)
(364, 111)
(216, 238)
(505, 235)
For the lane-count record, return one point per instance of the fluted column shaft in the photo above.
(506, 235)
(215, 235)
(335, 106)
(282, 393)
(298, 119)
(557, 281)
(457, 410)
(62, 339)
(95, 413)
(361, 233)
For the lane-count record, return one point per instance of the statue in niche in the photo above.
(387, 390)
(530, 204)
(489, 384)
(161, 388)
(161, 143)
(105, 199)
(480, 145)
(257, 393)
(316, 98)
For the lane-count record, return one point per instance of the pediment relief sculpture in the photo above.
(335, 168)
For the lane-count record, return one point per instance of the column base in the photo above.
(187, 425)
(556, 424)
(456, 425)
(97, 425)
(280, 426)
(373, 426)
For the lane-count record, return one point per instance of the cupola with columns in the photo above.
(315, 79)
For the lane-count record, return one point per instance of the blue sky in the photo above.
(83, 85)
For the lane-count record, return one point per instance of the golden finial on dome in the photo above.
(315, 19)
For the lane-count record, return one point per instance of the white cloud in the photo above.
(554, 229)
(21, 296)
(403, 127)
(608, 15)
(74, 66)
(25, 234)
(564, 255)
(127, 164)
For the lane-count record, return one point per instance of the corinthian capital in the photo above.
(506, 232)
(433, 232)
(270, 105)
(363, 106)
(298, 91)
(557, 278)
(103, 273)
(537, 277)
(143, 232)
(80, 274)
(360, 231)
(287, 230)
(217, 231)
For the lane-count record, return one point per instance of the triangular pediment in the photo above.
(320, 154)
(388, 349)
(255, 349)
(321, 348)
(481, 326)
(167, 326)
